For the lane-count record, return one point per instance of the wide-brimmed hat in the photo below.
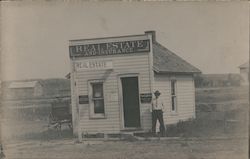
(157, 92)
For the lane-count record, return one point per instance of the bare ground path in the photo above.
(161, 149)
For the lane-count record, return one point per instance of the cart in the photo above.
(60, 114)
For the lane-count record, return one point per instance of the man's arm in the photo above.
(151, 107)
(162, 106)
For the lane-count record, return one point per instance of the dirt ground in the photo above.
(170, 149)
(32, 140)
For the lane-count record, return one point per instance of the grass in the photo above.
(209, 122)
(195, 128)
(50, 134)
(211, 119)
(206, 95)
(219, 112)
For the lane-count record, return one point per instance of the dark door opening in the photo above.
(131, 108)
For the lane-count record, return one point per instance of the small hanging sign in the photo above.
(84, 99)
(146, 97)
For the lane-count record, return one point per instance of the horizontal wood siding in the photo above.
(185, 97)
(126, 64)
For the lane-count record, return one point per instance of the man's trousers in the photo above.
(158, 114)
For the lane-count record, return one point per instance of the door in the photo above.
(131, 108)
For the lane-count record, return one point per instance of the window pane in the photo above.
(173, 103)
(173, 87)
(97, 90)
(99, 106)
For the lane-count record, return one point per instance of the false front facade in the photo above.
(112, 80)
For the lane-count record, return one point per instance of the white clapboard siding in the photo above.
(185, 97)
(126, 64)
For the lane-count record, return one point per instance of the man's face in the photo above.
(157, 95)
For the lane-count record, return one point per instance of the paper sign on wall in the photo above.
(94, 65)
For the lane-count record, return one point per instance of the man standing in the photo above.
(157, 113)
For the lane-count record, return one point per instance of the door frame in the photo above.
(122, 124)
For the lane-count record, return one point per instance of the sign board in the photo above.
(94, 65)
(146, 97)
(110, 48)
(84, 99)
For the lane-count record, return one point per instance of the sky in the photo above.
(212, 36)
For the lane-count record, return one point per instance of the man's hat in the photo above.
(157, 92)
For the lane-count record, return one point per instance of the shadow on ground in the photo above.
(50, 134)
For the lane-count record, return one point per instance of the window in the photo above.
(96, 99)
(173, 96)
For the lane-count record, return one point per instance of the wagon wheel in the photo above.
(51, 118)
(70, 126)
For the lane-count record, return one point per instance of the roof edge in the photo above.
(168, 72)
(106, 37)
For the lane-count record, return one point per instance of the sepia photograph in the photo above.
(124, 79)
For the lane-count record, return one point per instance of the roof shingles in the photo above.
(166, 61)
(28, 84)
(245, 65)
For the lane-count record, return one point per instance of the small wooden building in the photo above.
(244, 73)
(112, 80)
(24, 90)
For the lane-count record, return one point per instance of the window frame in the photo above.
(173, 96)
(92, 114)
